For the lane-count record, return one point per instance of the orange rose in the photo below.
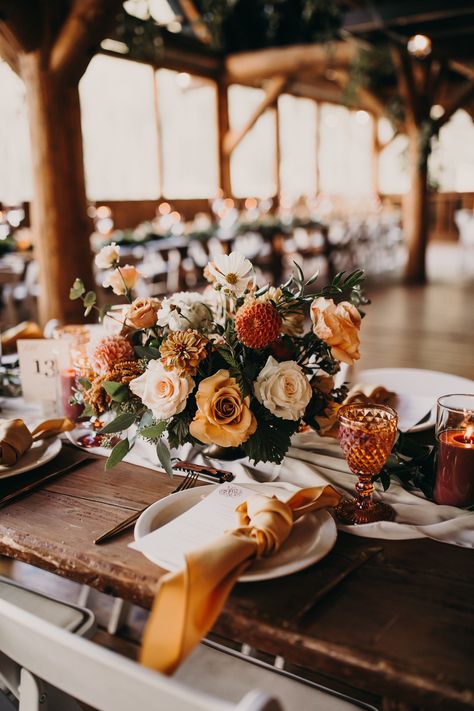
(223, 417)
(143, 312)
(121, 279)
(337, 325)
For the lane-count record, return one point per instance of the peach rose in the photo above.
(143, 312)
(223, 417)
(164, 392)
(122, 279)
(337, 325)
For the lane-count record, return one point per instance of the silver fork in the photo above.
(188, 482)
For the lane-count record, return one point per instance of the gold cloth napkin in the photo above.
(368, 394)
(188, 602)
(16, 438)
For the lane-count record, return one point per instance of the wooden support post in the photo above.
(223, 129)
(376, 148)
(415, 209)
(50, 45)
(59, 217)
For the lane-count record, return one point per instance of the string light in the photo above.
(419, 45)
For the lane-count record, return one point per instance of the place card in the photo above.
(200, 525)
(40, 360)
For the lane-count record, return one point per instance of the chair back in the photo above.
(97, 676)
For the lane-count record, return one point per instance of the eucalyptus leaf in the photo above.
(120, 450)
(85, 383)
(153, 431)
(165, 457)
(122, 422)
(117, 391)
(104, 310)
(77, 289)
(90, 298)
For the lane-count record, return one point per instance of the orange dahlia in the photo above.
(257, 324)
(110, 351)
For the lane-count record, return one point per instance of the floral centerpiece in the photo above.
(240, 365)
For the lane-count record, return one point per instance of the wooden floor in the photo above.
(428, 327)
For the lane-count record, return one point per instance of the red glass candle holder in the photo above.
(454, 485)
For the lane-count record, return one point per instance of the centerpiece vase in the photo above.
(226, 454)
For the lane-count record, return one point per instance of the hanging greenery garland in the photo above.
(239, 25)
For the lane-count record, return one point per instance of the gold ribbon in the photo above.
(188, 602)
(16, 438)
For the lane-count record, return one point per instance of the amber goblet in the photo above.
(366, 435)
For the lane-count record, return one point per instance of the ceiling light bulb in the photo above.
(419, 45)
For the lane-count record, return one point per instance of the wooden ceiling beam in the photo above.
(79, 36)
(287, 61)
(273, 90)
(463, 95)
(195, 20)
(404, 13)
(10, 50)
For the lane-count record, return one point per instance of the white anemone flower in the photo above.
(232, 272)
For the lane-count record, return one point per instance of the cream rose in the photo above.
(283, 389)
(143, 312)
(223, 416)
(337, 325)
(122, 279)
(163, 391)
(108, 256)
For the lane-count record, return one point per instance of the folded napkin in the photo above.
(369, 394)
(26, 329)
(16, 438)
(188, 602)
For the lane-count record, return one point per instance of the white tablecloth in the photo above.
(313, 460)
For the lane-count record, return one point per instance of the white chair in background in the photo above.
(58, 667)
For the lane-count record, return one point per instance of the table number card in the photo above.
(40, 360)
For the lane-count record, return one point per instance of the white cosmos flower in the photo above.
(232, 272)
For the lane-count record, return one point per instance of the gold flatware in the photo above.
(188, 482)
(193, 472)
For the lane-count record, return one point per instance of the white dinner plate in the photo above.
(38, 454)
(411, 383)
(311, 538)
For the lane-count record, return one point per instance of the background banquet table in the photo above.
(392, 617)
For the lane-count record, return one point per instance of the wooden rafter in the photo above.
(10, 48)
(367, 97)
(272, 91)
(461, 97)
(195, 20)
(287, 61)
(406, 83)
(79, 36)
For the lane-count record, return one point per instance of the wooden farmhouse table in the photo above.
(392, 617)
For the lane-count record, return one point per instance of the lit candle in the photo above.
(455, 471)
(67, 385)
